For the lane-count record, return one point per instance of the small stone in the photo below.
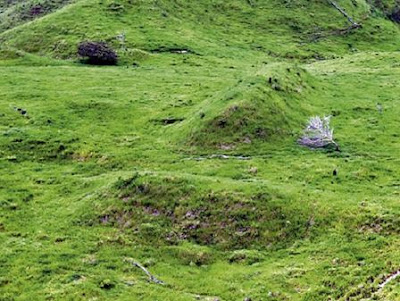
(253, 170)
(227, 146)
(129, 283)
(247, 140)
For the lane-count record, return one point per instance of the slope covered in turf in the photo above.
(184, 156)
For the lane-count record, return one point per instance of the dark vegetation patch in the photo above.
(41, 150)
(18, 197)
(395, 15)
(19, 12)
(116, 7)
(391, 9)
(384, 224)
(97, 53)
(21, 145)
(9, 54)
(170, 211)
(7, 3)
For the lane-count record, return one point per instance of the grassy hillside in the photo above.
(188, 163)
(17, 12)
(307, 29)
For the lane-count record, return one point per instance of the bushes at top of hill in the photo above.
(97, 53)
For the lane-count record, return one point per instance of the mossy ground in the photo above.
(112, 163)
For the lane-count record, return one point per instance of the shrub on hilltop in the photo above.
(97, 53)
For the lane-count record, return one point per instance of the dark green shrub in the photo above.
(97, 53)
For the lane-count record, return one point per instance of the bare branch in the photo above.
(343, 12)
(393, 276)
(152, 278)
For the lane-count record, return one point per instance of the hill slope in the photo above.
(15, 12)
(306, 28)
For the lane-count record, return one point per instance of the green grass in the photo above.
(16, 12)
(118, 163)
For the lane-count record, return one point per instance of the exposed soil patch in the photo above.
(168, 120)
(175, 50)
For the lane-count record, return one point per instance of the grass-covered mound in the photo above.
(268, 107)
(170, 210)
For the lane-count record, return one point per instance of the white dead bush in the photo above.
(318, 133)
